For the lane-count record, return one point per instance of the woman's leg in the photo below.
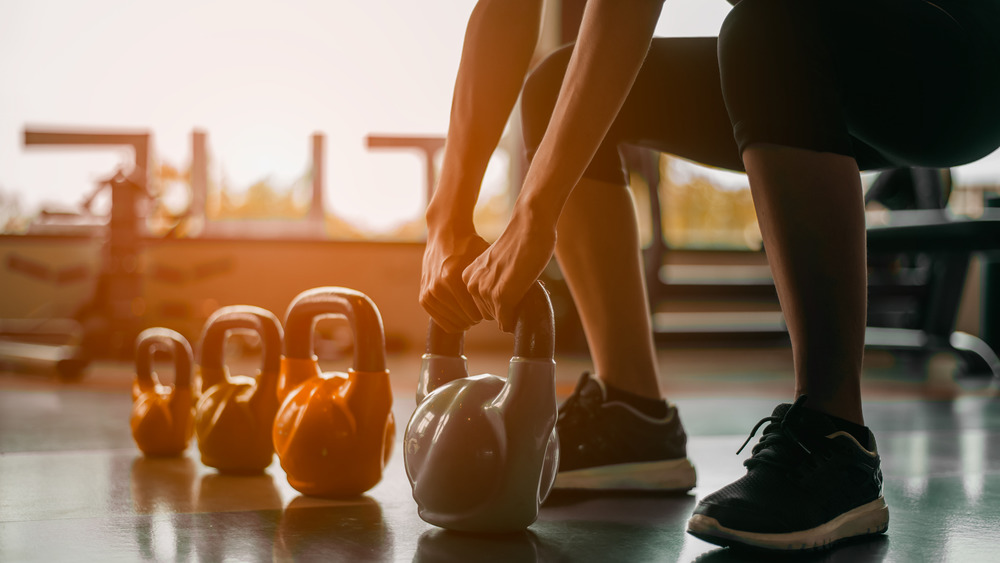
(600, 256)
(616, 432)
(675, 106)
(809, 102)
(810, 209)
(813, 89)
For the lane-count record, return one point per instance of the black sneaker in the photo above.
(808, 486)
(612, 446)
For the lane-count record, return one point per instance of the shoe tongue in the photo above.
(593, 388)
(805, 426)
(781, 410)
(778, 414)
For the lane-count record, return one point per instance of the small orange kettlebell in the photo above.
(162, 420)
(234, 414)
(334, 431)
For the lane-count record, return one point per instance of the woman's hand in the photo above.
(614, 38)
(499, 44)
(498, 279)
(443, 293)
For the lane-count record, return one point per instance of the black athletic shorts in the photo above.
(887, 82)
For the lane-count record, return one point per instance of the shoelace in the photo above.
(782, 435)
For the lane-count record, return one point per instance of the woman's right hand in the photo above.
(443, 294)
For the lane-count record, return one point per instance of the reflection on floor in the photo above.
(74, 487)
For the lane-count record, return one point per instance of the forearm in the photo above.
(614, 38)
(499, 43)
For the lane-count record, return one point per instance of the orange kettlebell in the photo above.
(162, 420)
(234, 414)
(334, 431)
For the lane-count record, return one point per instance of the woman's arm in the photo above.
(614, 38)
(500, 40)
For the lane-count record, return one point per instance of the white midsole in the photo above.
(669, 475)
(870, 518)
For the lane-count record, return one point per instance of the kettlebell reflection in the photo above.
(317, 530)
(162, 484)
(239, 515)
(227, 493)
(440, 546)
(161, 487)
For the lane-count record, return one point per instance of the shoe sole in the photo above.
(866, 520)
(669, 475)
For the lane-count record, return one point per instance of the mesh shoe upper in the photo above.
(803, 473)
(594, 432)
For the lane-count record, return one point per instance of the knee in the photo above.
(756, 32)
(779, 81)
(538, 97)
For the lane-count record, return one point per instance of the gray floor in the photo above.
(73, 487)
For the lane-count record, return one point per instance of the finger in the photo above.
(472, 285)
(465, 302)
(507, 318)
(446, 315)
(468, 274)
(464, 310)
(446, 319)
(509, 308)
(483, 304)
(448, 295)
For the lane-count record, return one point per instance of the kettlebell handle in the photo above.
(235, 317)
(356, 307)
(443, 343)
(534, 333)
(162, 339)
(272, 336)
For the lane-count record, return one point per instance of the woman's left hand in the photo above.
(499, 278)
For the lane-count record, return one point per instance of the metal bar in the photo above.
(39, 137)
(429, 146)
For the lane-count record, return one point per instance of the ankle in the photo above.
(847, 410)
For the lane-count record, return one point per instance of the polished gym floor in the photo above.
(73, 486)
